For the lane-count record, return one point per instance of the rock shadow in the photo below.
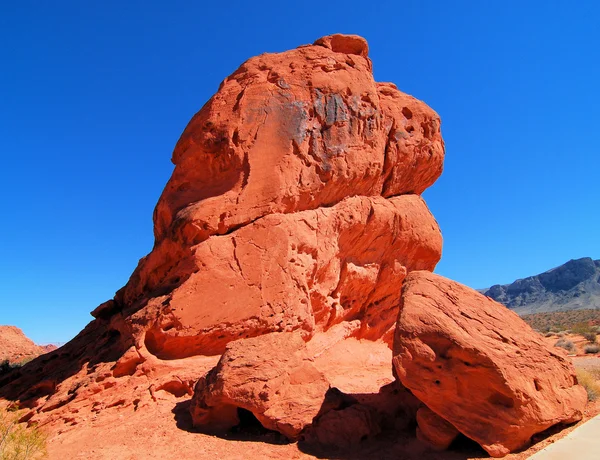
(349, 426)
(248, 430)
(376, 425)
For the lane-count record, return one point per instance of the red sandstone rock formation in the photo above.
(293, 207)
(477, 365)
(282, 241)
(15, 347)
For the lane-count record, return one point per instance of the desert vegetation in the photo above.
(19, 442)
(569, 327)
(591, 348)
(566, 344)
(589, 380)
(564, 320)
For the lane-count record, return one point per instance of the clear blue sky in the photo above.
(94, 95)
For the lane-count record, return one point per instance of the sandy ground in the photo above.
(152, 435)
(165, 432)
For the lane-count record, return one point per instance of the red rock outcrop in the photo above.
(305, 271)
(16, 347)
(293, 211)
(282, 241)
(478, 366)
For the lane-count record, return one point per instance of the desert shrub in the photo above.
(590, 336)
(589, 382)
(549, 334)
(591, 348)
(595, 372)
(560, 320)
(561, 333)
(18, 442)
(582, 328)
(566, 344)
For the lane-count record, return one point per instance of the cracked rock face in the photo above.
(478, 366)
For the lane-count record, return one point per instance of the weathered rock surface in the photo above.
(305, 271)
(288, 132)
(477, 365)
(16, 347)
(272, 376)
(434, 430)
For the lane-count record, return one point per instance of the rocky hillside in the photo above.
(572, 286)
(16, 347)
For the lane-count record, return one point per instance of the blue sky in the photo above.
(94, 95)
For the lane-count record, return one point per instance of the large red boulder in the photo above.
(478, 366)
(271, 376)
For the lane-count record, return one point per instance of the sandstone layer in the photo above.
(478, 366)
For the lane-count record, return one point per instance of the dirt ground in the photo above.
(166, 433)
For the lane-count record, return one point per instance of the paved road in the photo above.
(583, 443)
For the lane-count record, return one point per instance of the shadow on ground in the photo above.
(391, 443)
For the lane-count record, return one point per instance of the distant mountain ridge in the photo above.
(574, 285)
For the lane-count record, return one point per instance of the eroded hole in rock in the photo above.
(176, 388)
(407, 113)
(466, 445)
(537, 384)
(250, 427)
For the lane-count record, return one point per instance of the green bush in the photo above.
(582, 328)
(18, 442)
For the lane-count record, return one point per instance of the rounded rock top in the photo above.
(347, 44)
